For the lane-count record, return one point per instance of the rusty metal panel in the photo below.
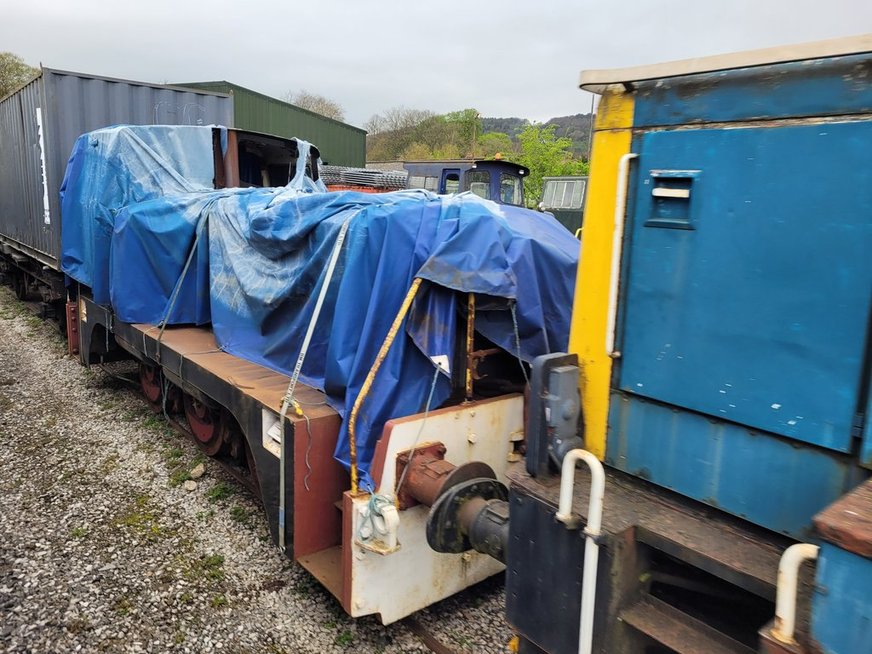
(72, 328)
(70, 104)
(847, 522)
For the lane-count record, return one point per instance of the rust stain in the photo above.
(847, 522)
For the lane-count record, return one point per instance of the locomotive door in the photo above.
(748, 270)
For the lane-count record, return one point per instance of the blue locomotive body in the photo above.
(723, 346)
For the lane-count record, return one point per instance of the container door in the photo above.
(748, 276)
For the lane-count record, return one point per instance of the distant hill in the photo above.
(510, 126)
(575, 127)
(410, 134)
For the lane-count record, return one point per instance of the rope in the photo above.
(308, 449)
(114, 375)
(331, 267)
(288, 399)
(163, 397)
(374, 508)
(518, 341)
(183, 355)
(420, 431)
(370, 377)
(178, 287)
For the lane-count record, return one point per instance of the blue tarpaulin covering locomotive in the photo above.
(144, 230)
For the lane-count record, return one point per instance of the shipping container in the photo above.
(39, 124)
(340, 144)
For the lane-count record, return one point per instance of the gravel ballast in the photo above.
(108, 543)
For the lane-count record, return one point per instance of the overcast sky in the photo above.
(507, 58)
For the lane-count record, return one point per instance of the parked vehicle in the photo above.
(714, 375)
(717, 384)
(491, 179)
(563, 198)
(497, 180)
(226, 324)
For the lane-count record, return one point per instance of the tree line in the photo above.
(14, 73)
(415, 134)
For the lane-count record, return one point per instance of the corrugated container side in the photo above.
(73, 104)
(21, 187)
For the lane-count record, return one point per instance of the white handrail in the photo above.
(617, 249)
(785, 597)
(591, 531)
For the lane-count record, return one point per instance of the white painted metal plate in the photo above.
(413, 576)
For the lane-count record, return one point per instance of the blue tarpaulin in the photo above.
(116, 167)
(256, 260)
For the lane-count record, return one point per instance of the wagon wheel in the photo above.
(151, 383)
(206, 423)
(19, 285)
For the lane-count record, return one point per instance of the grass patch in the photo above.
(219, 601)
(461, 640)
(130, 415)
(209, 567)
(123, 605)
(213, 566)
(240, 515)
(156, 422)
(141, 518)
(220, 491)
(180, 470)
(178, 477)
(344, 639)
(79, 532)
(173, 455)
